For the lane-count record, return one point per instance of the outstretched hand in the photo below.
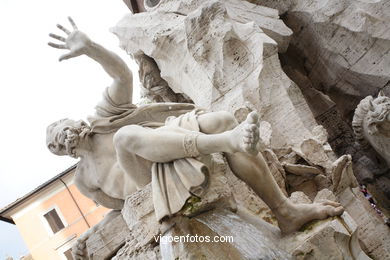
(76, 41)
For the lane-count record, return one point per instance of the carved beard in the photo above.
(73, 136)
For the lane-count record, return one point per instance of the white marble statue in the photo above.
(126, 147)
(371, 124)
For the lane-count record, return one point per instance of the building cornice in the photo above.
(21, 200)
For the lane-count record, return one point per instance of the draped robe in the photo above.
(172, 182)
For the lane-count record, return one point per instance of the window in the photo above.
(68, 254)
(54, 220)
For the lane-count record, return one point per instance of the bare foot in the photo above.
(245, 136)
(291, 217)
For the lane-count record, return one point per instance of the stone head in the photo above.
(372, 118)
(63, 136)
(379, 115)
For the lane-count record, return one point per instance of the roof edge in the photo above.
(31, 193)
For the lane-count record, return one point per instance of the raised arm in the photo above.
(78, 43)
(100, 197)
(103, 199)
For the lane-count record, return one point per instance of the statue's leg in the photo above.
(138, 147)
(136, 167)
(168, 143)
(238, 141)
(254, 171)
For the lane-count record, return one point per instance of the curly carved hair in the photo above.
(375, 111)
(51, 144)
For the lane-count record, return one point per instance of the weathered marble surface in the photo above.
(371, 124)
(226, 58)
(119, 151)
(153, 88)
(138, 213)
(371, 127)
(343, 46)
(334, 237)
(340, 49)
(103, 243)
(344, 42)
(338, 55)
(373, 234)
(222, 58)
(197, 58)
(253, 238)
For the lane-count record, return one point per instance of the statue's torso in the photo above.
(101, 169)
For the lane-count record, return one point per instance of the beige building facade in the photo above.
(51, 217)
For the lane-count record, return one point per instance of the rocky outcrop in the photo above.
(341, 46)
(230, 209)
(346, 47)
(338, 55)
(250, 236)
(222, 57)
(105, 242)
(153, 87)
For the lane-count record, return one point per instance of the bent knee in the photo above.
(227, 120)
(217, 122)
(127, 137)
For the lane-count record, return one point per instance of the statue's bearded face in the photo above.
(63, 136)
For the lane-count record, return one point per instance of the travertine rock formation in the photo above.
(346, 45)
(338, 55)
(253, 238)
(370, 125)
(221, 58)
(153, 87)
(107, 240)
(342, 46)
(225, 57)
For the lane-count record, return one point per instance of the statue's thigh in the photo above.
(216, 122)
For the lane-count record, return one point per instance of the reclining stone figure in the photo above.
(125, 147)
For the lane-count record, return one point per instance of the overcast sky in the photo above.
(36, 90)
